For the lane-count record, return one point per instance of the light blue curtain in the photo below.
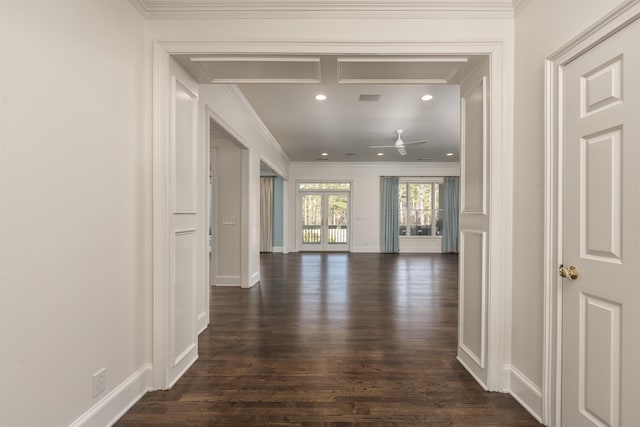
(389, 239)
(451, 210)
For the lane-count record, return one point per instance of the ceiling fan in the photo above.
(399, 144)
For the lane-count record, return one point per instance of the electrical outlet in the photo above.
(99, 381)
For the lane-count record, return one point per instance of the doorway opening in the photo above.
(323, 222)
(489, 253)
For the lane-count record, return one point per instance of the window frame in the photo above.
(420, 180)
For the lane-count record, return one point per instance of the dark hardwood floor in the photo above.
(333, 340)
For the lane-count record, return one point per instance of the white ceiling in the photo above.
(282, 91)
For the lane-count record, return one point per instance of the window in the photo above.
(419, 212)
(307, 186)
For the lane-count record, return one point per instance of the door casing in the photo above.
(499, 245)
(616, 20)
(324, 194)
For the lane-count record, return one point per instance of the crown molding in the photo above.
(520, 5)
(353, 9)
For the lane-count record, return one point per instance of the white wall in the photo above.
(228, 205)
(541, 28)
(230, 109)
(75, 206)
(281, 30)
(365, 196)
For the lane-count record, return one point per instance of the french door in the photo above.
(324, 221)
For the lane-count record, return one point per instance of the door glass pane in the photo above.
(337, 218)
(311, 218)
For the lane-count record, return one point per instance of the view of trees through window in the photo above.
(325, 186)
(419, 212)
(325, 203)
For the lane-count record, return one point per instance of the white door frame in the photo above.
(619, 18)
(500, 180)
(323, 194)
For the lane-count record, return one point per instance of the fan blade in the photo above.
(382, 146)
(415, 142)
(401, 150)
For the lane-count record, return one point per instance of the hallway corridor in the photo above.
(333, 339)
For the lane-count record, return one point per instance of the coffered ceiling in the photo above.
(368, 98)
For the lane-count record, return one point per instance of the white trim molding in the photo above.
(473, 356)
(499, 240)
(525, 392)
(519, 6)
(622, 16)
(110, 408)
(228, 281)
(247, 9)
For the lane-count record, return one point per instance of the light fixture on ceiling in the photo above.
(321, 97)
(449, 154)
(426, 97)
(325, 154)
(380, 154)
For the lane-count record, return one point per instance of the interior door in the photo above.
(187, 204)
(474, 225)
(324, 221)
(600, 231)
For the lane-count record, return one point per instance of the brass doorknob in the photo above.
(570, 272)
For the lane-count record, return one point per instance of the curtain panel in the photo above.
(451, 212)
(266, 214)
(389, 231)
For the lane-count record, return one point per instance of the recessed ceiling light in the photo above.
(325, 154)
(449, 154)
(380, 154)
(426, 97)
(321, 97)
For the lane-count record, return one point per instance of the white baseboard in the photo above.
(184, 370)
(111, 407)
(228, 281)
(526, 393)
(255, 278)
(277, 249)
(473, 374)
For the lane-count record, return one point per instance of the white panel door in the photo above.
(601, 234)
(187, 254)
(474, 224)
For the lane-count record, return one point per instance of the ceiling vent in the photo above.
(369, 98)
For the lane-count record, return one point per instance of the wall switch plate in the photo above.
(99, 381)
